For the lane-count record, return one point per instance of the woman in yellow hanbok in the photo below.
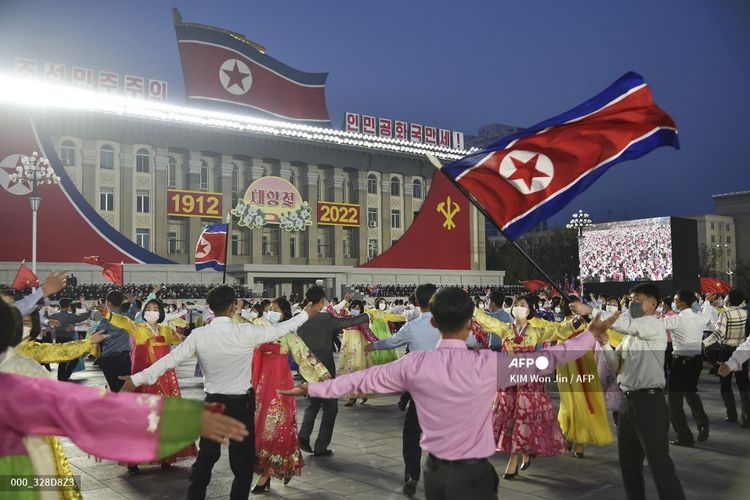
(524, 420)
(583, 410)
(353, 356)
(379, 319)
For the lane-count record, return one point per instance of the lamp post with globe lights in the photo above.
(36, 171)
(579, 221)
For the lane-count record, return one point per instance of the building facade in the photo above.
(717, 243)
(737, 206)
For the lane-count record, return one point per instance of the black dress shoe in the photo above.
(702, 433)
(262, 488)
(304, 445)
(526, 465)
(324, 453)
(730, 420)
(677, 442)
(133, 470)
(578, 454)
(410, 487)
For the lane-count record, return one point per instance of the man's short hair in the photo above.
(686, 296)
(497, 298)
(315, 294)
(648, 290)
(221, 298)
(115, 298)
(65, 303)
(736, 297)
(451, 309)
(424, 293)
(507, 301)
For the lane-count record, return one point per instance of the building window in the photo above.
(292, 178)
(729, 240)
(372, 184)
(235, 184)
(143, 238)
(713, 239)
(142, 202)
(417, 189)
(321, 195)
(347, 242)
(728, 227)
(346, 190)
(264, 172)
(416, 212)
(324, 241)
(293, 246)
(270, 241)
(372, 249)
(395, 186)
(712, 225)
(204, 176)
(142, 161)
(172, 242)
(68, 154)
(107, 200)
(235, 244)
(172, 172)
(372, 217)
(396, 219)
(107, 157)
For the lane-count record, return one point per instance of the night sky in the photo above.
(461, 65)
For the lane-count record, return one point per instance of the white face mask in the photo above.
(481, 305)
(26, 332)
(520, 312)
(381, 306)
(612, 309)
(151, 316)
(273, 317)
(674, 306)
(354, 312)
(557, 310)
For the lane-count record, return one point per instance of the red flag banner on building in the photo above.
(111, 272)
(25, 278)
(223, 67)
(534, 285)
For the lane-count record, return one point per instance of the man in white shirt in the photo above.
(687, 334)
(225, 353)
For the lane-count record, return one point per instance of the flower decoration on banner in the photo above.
(34, 170)
(249, 216)
(273, 200)
(296, 220)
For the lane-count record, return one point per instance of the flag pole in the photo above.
(226, 249)
(436, 163)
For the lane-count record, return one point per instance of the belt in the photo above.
(463, 461)
(683, 356)
(650, 390)
(233, 396)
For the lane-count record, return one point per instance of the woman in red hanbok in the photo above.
(152, 340)
(276, 442)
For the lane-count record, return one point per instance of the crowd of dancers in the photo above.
(624, 368)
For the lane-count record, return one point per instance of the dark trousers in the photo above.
(412, 450)
(668, 357)
(725, 386)
(115, 366)
(475, 479)
(642, 432)
(683, 384)
(241, 455)
(325, 433)
(65, 370)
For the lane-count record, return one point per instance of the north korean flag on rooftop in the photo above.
(525, 178)
(221, 67)
(210, 251)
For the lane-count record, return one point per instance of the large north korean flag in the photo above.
(525, 178)
(222, 67)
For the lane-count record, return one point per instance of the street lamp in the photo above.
(579, 221)
(36, 171)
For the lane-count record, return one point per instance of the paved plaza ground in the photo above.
(367, 462)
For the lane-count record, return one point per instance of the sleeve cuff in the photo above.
(138, 379)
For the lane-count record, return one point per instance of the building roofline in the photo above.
(736, 193)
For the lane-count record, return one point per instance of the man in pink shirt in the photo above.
(448, 380)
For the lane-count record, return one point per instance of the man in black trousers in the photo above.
(115, 358)
(225, 352)
(643, 418)
(318, 336)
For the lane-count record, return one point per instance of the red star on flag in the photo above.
(201, 250)
(236, 77)
(526, 170)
